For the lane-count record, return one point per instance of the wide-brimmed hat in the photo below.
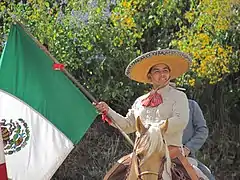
(177, 61)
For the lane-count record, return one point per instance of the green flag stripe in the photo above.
(26, 72)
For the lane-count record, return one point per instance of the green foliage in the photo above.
(96, 39)
(206, 38)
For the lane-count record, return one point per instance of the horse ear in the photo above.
(164, 127)
(139, 126)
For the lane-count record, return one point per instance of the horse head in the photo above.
(149, 151)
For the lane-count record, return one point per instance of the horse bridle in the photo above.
(139, 173)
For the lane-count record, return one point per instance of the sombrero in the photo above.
(177, 61)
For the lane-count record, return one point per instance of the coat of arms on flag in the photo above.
(15, 135)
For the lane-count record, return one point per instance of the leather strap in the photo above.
(175, 152)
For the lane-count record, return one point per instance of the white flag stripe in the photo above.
(46, 148)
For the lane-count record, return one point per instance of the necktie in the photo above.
(153, 100)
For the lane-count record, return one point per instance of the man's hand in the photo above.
(101, 107)
(186, 151)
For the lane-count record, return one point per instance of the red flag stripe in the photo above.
(3, 172)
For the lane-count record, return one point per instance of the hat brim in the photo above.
(177, 61)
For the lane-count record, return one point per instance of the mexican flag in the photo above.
(42, 113)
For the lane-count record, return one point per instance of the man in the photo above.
(160, 104)
(195, 135)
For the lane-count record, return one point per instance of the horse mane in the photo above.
(152, 141)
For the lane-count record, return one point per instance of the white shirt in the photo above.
(174, 108)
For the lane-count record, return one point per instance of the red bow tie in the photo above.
(152, 100)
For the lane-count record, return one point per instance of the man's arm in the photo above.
(200, 129)
(180, 118)
(127, 123)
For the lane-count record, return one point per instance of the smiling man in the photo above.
(162, 103)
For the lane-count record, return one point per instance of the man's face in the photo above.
(159, 74)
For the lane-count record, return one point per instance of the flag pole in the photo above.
(70, 76)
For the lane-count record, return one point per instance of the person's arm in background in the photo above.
(200, 129)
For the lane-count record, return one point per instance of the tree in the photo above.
(207, 39)
(96, 39)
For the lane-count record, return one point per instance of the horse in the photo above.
(147, 160)
(152, 158)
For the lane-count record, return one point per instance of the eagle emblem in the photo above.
(15, 135)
